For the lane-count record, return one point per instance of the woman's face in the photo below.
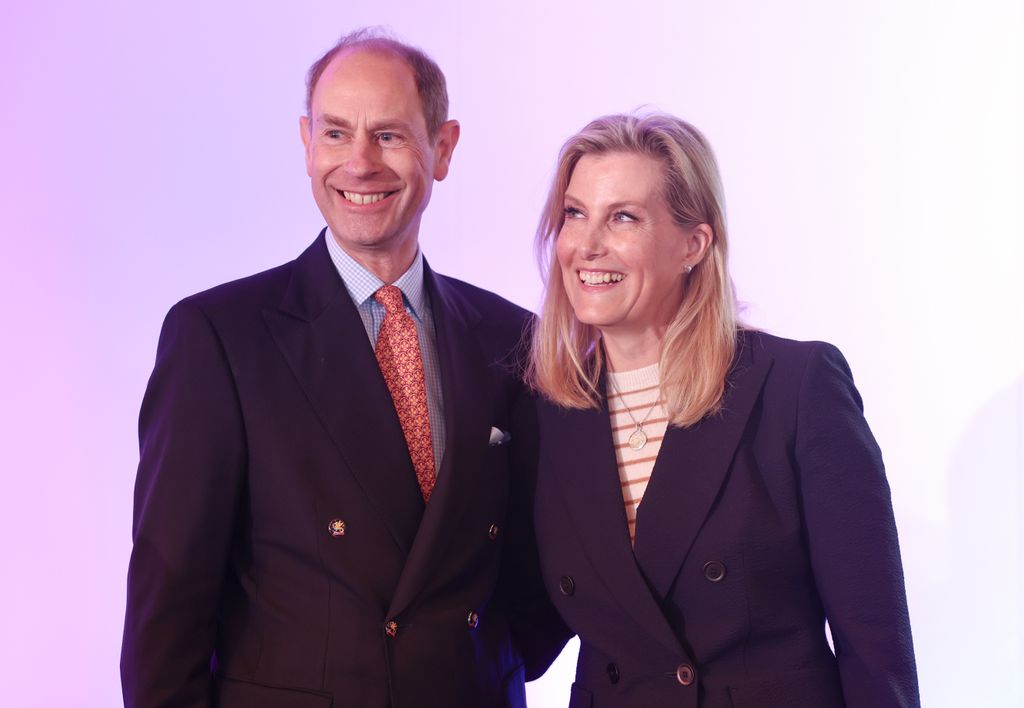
(621, 255)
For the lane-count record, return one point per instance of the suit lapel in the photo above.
(691, 467)
(466, 395)
(582, 457)
(319, 332)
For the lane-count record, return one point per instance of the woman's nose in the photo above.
(592, 243)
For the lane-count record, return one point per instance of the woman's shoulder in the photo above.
(756, 343)
(794, 365)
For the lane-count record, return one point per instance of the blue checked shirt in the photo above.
(361, 285)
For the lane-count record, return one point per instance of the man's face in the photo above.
(369, 157)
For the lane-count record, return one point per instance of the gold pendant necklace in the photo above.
(638, 438)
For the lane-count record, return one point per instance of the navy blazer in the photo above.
(283, 555)
(758, 523)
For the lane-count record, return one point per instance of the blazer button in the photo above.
(684, 674)
(613, 673)
(473, 619)
(566, 585)
(336, 527)
(492, 533)
(714, 571)
(391, 628)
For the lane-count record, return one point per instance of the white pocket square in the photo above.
(499, 437)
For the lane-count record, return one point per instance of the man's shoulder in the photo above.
(256, 291)
(502, 328)
(492, 307)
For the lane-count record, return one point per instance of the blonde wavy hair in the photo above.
(566, 359)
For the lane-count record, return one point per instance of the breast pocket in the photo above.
(494, 472)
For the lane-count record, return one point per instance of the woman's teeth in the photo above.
(590, 277)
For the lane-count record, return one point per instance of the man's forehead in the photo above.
(377, 62)
(358, 78)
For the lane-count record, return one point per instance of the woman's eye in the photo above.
(623, 217)
(572, 213)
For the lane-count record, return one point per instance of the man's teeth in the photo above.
(588, 277)
(357, 198)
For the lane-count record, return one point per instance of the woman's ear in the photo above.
(698, 242)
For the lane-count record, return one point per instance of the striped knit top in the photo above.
(635, 392)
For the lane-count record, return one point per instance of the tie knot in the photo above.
(390, 296)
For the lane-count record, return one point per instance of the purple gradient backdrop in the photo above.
(872, 156)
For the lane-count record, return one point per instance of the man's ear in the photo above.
(305, 132)
(447, 139)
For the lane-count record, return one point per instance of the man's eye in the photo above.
(389, 138)
(334, 134)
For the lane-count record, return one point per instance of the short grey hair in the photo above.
(430, 82)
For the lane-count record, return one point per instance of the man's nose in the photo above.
(364, 156)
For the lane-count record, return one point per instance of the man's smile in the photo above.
(361, 198)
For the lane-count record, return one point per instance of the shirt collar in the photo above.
(362, 284)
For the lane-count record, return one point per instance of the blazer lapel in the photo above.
(689, 472)
(467, 394)
(319, 332)
(582, 456)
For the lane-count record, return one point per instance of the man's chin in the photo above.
(354, 236)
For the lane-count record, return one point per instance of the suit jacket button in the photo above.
(391, 628)
(685, 674)
(613, 673)
(566, 585)
(714, 571)
(492, 533)
(473, 619)
(337, 527)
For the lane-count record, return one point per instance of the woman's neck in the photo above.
(627, 352)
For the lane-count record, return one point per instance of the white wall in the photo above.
(872, 159)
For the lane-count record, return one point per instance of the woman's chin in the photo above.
(601, 323)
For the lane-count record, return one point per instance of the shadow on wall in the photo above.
(981, 624)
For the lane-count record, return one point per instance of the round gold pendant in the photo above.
(637, 439)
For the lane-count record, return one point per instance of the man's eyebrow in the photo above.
(386, 124)
(328, 119)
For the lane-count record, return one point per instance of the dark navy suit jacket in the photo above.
(757, 525)
(283, 555)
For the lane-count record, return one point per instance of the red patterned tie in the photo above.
(398, 353)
